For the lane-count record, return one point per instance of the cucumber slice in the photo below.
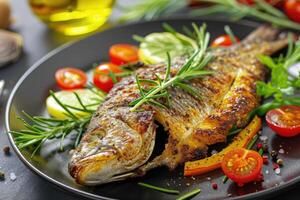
(68, 98)
(154, 47)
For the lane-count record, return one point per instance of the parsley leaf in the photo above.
(281, 86)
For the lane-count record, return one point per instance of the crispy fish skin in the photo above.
(228, 96)
(120, 142)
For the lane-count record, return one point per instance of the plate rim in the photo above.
(262, 194)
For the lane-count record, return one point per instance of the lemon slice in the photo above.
(154, 47)
(68, 98)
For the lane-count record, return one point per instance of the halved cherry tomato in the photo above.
(123, 53)
(292, 9)
(102, 79)
(213, 162)
(70, 78)
(242, 166)
(285, 121)
(223, 40)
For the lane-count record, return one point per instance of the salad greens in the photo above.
(281, 86)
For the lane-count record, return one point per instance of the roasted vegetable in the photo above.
(213, 162)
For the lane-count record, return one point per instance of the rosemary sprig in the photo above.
(189, 194)
(260, 10)
(39, 129)
(193, 68)
(161, 189)
(151, 9)
(230, 33)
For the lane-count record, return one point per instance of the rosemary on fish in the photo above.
(38, 129)
(193, 68)
(161, 189)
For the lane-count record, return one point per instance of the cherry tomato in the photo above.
(123, 53)
(70, 78)
(285, 121)
(101, 76)
(292, 9)
(223, 40)
(242, 166)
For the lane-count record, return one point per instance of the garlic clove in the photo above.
(10, 47)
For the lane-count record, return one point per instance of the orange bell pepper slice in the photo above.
(214, 162)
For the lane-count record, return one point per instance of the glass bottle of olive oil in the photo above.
(72, 17)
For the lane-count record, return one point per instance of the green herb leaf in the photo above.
(261, 11)
(39, 129)
(192, 68)
(189, 194)
(161, 189)
(230, 33)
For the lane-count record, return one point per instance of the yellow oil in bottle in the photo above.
(72, 17)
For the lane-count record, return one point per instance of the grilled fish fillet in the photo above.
(118, 143)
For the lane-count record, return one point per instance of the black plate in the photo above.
(32, 89)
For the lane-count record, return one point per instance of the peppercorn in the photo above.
(277, 171)
(279, 162)
(2, 176)
(259, 146)
(265, 148)
(214, 186)
(6, 150)
(265, 159)
(274, 155)
(275, 166)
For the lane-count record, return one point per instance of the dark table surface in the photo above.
(38, 41)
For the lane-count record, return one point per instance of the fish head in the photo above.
(114, 149)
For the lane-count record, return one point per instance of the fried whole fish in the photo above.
(118, 143)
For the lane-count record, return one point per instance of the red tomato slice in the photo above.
(292, 9)
(223, 40)
(285, 121)
(123, 53)
(101, 76)
(70, 78)
(242, 165)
